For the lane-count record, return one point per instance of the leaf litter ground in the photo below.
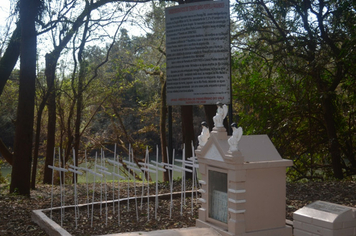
(15, 210)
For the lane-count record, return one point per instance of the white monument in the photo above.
(243, 185)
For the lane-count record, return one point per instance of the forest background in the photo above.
(95, 85)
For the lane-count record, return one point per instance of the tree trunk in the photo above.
(4, 151)
(51, 62)
(37, 142)
(7, 64)
(9, 59)
(21, 168)
(327, 93)
(81, 77)
(78, 120)
(162, 125)
(188, 132)
(334, 147)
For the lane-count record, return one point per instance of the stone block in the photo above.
(325, 219)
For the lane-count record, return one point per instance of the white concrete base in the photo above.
(204, 224)
(193, 231)
(48, 225)
(283, 231)
(304, 229)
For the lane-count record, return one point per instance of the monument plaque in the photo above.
(218, 196)
(328, 207)
(198, 53)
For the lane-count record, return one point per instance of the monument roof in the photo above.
(252, 149)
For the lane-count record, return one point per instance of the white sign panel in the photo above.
(198, 53)
(219, 206)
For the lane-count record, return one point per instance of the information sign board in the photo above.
(198, 53)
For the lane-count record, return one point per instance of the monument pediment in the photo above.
(253, 149)
(216, 147)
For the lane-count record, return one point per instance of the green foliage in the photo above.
(8, 109)
(282, 109)
(293, 80)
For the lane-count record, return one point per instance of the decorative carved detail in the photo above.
(205, 134)
(220, 115)
(235, 138)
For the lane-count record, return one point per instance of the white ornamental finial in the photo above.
(220, 115)
(235, 138)
(205, 134)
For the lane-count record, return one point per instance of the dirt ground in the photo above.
(15, 210)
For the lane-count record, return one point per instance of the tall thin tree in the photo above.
(21, 168)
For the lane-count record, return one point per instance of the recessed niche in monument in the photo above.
(218, 207)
